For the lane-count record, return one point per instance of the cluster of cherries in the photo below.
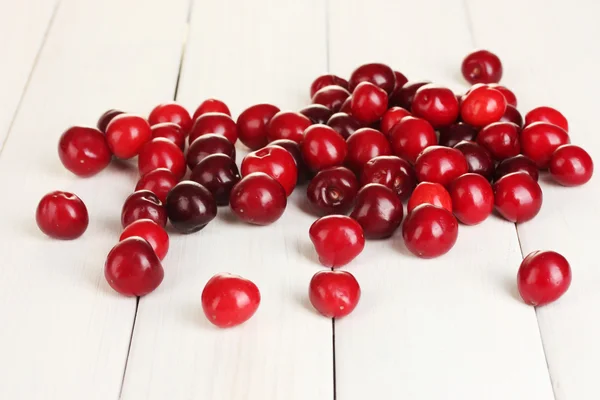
(364, 145)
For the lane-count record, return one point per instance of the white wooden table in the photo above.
(449, 328)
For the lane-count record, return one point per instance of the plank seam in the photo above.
(137, 305)
(469, 22)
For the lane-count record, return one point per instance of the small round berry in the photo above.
(429, 193)
(293, 148)
(482, 106)
(512, 115)
(429, 231)
(211, 123)
(547, 114)
(410, 137)
(391, 117)
(84, 151)
(337, 239)
(403, 96)
(274, 161)
(482, 66)
(393, 172)
(540, 139)
(190, 207)
(378, 74)
(62, 215)
(171, 112)
(369, 103)
(323, 148)
(344, 124)
(159, 181)
(518, 198)
(207, 145)
(508, 94)
(334, 294)
(479, 160)
(151, 232)
(170, 131)
(211, 106)
(331, 97)
(364, 145)
(127, 134)
(218, 173)
(229, 300)
(451, 135)
(501, 139)
(317, 113)
(436, 104)
(472, 198)
(143, 204)
(518, 163)
(105, 119)
(378, 210)
(400, 80)
(543, 277)
(162, 153)
(327, 80)
(441, 165)
(288, 125)
(571, 165)
(258, 199)
(252, 125)
(333, 191)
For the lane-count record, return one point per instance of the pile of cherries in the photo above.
(364, 146)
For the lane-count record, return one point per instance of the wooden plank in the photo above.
(550, 60)
(66, 333)
(268, 51)
(451, 327)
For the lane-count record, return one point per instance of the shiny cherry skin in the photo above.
(252, 125)
(317, 113)
(105, 119)
(451, 135)
(410, 137)
(337, 239)
(207, 145)
(391, 117)
(218, 173)
(274, 161)
(482, 106)
(518, 163)
(334, 294)
(393, 172)
(435, 104)
(288, 125)
(229, 300)
(376, 73)
(344, 124)
(401, 80)
(571, 165)
(547, 114)
(501, 139)
(62, 215)
(540, 139)
(346, 107)
(472, 198)
(159, 181)
(333, 191)
(378, 210)
(429, 193)
(151, 232)
(482, 66)
(162, 153)
(441, 165)
(132, 268)
(323, 147)
(211, 106)
(543, 277)
(518, 198)
(212, 122)
(403, 97)
(511, 99)
(479, 160)
(171, 112)
(84, 151)
(512, 115)
(331, 97)
(170, 131)
(190, 207)
(369, 103)
(429, 231)
(364, 145)
(327, 80)
(293, 148)
(258, 199)
(127, 134)
(143, 204)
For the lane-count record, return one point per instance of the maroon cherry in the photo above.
(540, 139)
(482, 106)
(378, 210)
(482, 66)
(400, 80)
(364, 145)
(62, 215)
(327, 80)
(472, 198)
(518, 197)
(323, 147)
(127, 134)
(410, 137)
(218, 173)
(293, 148)
(440, 164)
(547, 114)
(258, 199)
(84, 151)
(479, 160)
(403, 97)
(252, 125)
(451, 135)
(288, 125)
(159, 181)
(331, 97)
(170, 131)
(392, 172)
(162, 153)
(317, 113)
(369, 102)
(171, 112)
(378, 74)
(508, 94)
(212, 122)
(501, 139)
(207, 145)
(571, 165)
(332, 191)
(429, 231)
(391, 118)
(518, 163)
(344, 124)
(337, 239)
(512, 115)
(436, 104)
(143, 204)
(274, 161)
(211, 106)
(105, 119)
(346, 107)
(190, 206)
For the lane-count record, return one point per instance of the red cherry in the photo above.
(403, 97)
(170, 131)
(391, 118)
(479, 160)
(337, 239)
(429, 193)
(323, 148)
(334, 294)
(410, 137)
(472, 198)
(482, 66)
(400, 80)
(539, 140)
(451, 135)
(151, 232)
(293, 148)
(482, 106)
(84, 151)
(127, 134)
(190, 207)
(143, 204)
(207, 145)
(252, 125)
(518, 197)
(543, 277)
(327, 80)
(346, 107)
(211, 106)
(378, 210)
(392, 172)
(212, 122)
(429, 231)
(512, 115)
(436, 104)
(287, 125)
(274, 161)
(105, 119)
(218, 173)
(317, 113)
(331, 97)
(171, 112)
(440, 164)
(132, 268)
(344, 124)
(571, 165)
(258, 199)
(162, 153)
(229, 300)
(378, 74)
(369, 103)
(364, 145)
(159, 181)
(518, 163)
(547, 114)
(501, 139)
(62, 215)
(333, 190)
(510, 97)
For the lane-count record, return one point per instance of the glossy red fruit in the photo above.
(229, 300)
(212, 122)
(171, 112)
(252, 125)
(391, 118)
(543, 277)
(518, 163)
(369, 103)
(162, 153)
(501, 139)
(127, 134)
(479, 160)
(323, 148)
(132, 268)
(105, 119)
(288, 125)
(547, 114)
(429, 231)
(518, 197)
(333, 190)
(211, 106)
(327, 80)
(334, 294)
(482, 106)
(84, 151)
(511, 99)
(410, 137)
(512, 115)
(378, 210)
(207, 145)
(274, 161)
(429, 193)
(337, 239)
(218, 173)
(571, 166)
(143, 204)
(258, 199)
(436, 104)
(159, 181)
(539, 140)
(482, 66)
(451, 135)
(403, 97)
(331, 97)
(378, 74)
(344, 124)
(364, 145)
(170, 131)
(62, 215)
(393, 172)
(151, 232)
(440, 164)
(400, 80)
(190, 207)
(317, 113)
(293, 148)
(472, 198)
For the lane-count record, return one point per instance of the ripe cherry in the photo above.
(436, 104)
(479, 160)
(334, 294)
(451, 135)
(429, 231)
(229, 300)
(212, 122)
(293, 148)
(518, 197)
(378, 210)
(211, 106)
(62, 215)
(369, 103)
(547, 114)
(333, 190)
(252, 125)
(337, 239)
(501, 139)
(162, 153)
(258, 199)
(403, 97)
(482, 106)
(543, 277)
(170, 131)
(218, 173)
(430, 193)
(364, 145)
(159, 181)
(378, 74)
(317, 113)
(323, 147)
(482, 66)
(391, 118)
(190, 207)
(151, 232)
(274, 161)
(143, 204)
(346, 107)
(84, 151)
(440, 164)
(472, 198)
(518, 163)
(327, 80)
(127, 134)
(400, 80)
(331, 97)
(105, 119)
(393, 172)
(410, 137)
(344, 124)
(207, 145)
(171, 112)
(511, 99)
(571, 165)
(540, 139)
(512, 115)
(288, 125)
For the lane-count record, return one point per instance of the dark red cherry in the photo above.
(403, 97)
(472, 198)
(479, 160)
(84, 151)
(540, 139)
(218, 173)
(162, 153)
(391, 118)
(288, 125)
(62, 215)
(440, 164)
(508, 94)
(190, 206)
(170, 131)
(332, 191)
(571, 166)
(392, 172)
(327, 80)
(346, 107)
(304, 173)
(344, 124)
(252, 125)
(482, 106)
(364, 145)
(400, 80)
(543, 277)
(323, 147)
(547, 114)
(501, 139)
(143, 204)
(378, 74)
(317, 113)
(258, 199)
(378, 210)
(436, 104)
(518, 163)
(451, 135)
(331, 97)
(410, 137)
(207, 145)
(369, 103)
(159, 181)
(512, 115)
(429, 231)
(211, 106)
(105, 119)
(211, 123)
(171, 112)
(482, 66)
(518, 198)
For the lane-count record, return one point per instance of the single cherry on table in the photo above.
(214, 123)
(207, 145)
(323, 147)
(170, 131)
(211, 105)
(364, 145)
(62, 215)
(410, 137)
(334, 294)
(258, 199)
(337, 239)
(274, 161)
(159, 181)
(378, 210)
(190, 207)
(252, 125)
(218, 173)
(151, 232)
(543, 277)
(429, 193)
(436, 104)
(84, 151)
(391, 171)
(162, 153)
(143, 204)
(518, 198)
(287, 125)
(229, 300)
(472, 198)
(127, 134)
(429, 231)
(171, 112)
(571, 165)
(440, 164)
(482, 66)
(479, 160)
(333, 191)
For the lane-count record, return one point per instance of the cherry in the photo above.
(62, 215)
(327, 80)
(127, 134)
(482, 66)
(171, 112)
(518, 197)
(293, 148)
(162, 153)
(132, 268)
(229, 300)
(440, 164)
(400, 80)
(334, 294)
(258, 199)
(543, 277)
(159, 181)
(211, 106)
(344, 124)
(337, 239)
(190, 206)
(511, 99)
(331, 97)
(451, 135)
(430, 193)
(84, 151)
(501, 139)
(377, 74)
(512, 115)
(429, 231)
(218, 173)
(518, 163)
(151, 232)
(105, 119)
(436, 104)
(333, 190)
(212, 122)
(539, 140)
(207, 145)
(252, 125)
(410, 137)
(317, 113)
(479, 160)
(472, 198)
(378, 210)
(364, 145)
(288, 125)
(482, 106)
(392, 172)
(274, 161)
(323, 147)
(346, 107)
(369, 102)
(571, 165)
(547, 114)
(143, 204)
(170, 131)
(403, 97)
(391, 118)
